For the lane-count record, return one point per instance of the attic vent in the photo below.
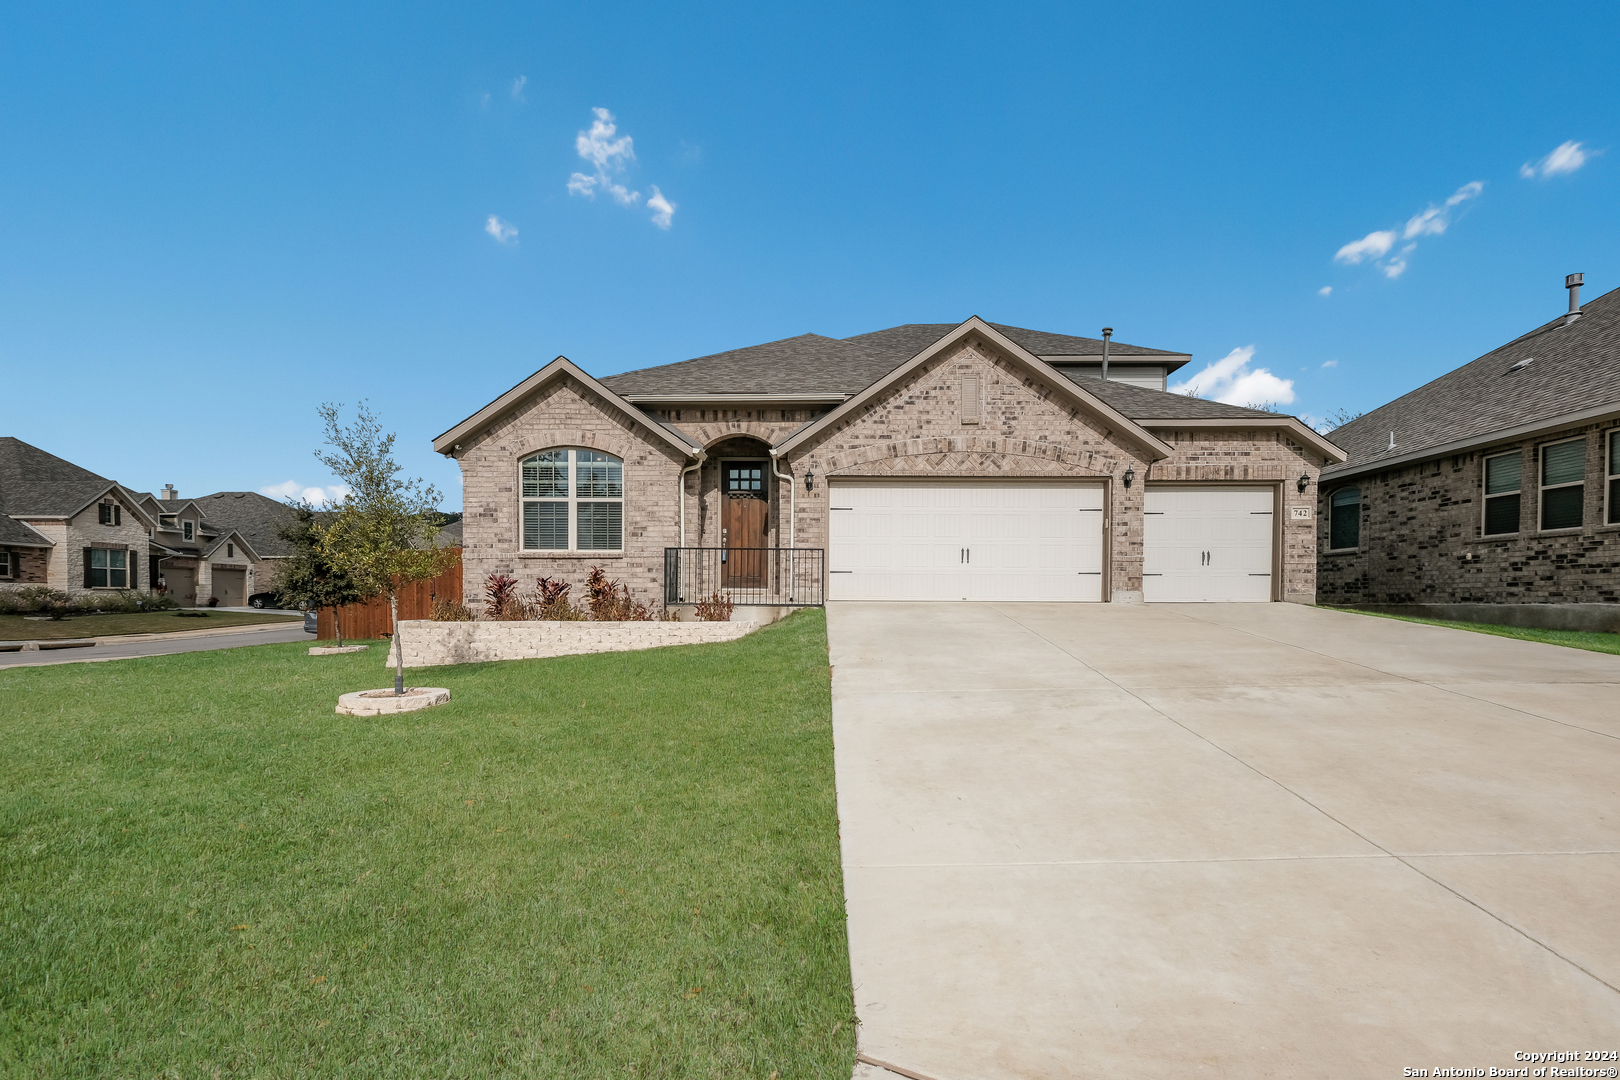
(970, 399)
(1522, 364)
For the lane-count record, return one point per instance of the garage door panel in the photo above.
(993, 541)
(1208, 544)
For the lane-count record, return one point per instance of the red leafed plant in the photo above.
(716, 608)
(500, 592)
(610, 601)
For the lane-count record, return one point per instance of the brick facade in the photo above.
(1023, 428)
(64, 567)
(566, 413)
(1422, 536)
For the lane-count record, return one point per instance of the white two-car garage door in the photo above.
(1208, 544)
(965, 540)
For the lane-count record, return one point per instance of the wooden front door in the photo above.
(744, 523)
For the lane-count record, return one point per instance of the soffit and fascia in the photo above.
(1546, 425)
(1301, 431)
(446, 443)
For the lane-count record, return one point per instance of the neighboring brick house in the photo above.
(1492, 492)
(71, 529)
(222, 545)
(67, 527)
(930, 462)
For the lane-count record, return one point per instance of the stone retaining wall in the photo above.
(430, 644)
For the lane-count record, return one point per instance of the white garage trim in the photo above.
(966, 539)
(1211, 543)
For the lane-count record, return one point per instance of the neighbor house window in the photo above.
(1344, 519)
(108, 514)
(1614, 478)
(1503, 476)
(1563, 484)
(109, 569)
(187, 530)
(573, 500)
(7, 568)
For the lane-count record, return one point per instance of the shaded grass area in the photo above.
(17, 628)
(623, 864)
(1590, 640)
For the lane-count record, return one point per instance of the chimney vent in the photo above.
(1108, 332)
(168, 493)
(1573, 283)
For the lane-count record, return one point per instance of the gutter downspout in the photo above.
(680, 491)
(793, 499)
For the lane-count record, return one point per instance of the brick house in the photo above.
(1493, 492)
(69, 528)
(223, 545)
(928, 462)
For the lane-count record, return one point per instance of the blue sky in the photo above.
(212, 218)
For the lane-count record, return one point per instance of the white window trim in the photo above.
(1543, 488)
(573, 500)
(1611, 512)
(1485, 497)
(1361, 501)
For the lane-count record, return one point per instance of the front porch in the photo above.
(748, 577)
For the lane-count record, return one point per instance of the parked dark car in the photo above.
(309, 622)
(270, 600)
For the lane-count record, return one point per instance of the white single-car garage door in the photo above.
(1207, 544)
(965, 540)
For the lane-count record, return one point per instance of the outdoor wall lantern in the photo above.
(1130, 474)
(809, 480)
(1304, 482)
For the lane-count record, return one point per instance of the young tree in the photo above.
(384, 534)
(309, 578)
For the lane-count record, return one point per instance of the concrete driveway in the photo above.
(1222, 840)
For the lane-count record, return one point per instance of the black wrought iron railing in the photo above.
(750, 577)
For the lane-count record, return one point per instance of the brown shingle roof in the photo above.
(1573, 368)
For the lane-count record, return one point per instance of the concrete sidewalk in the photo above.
(1234, 840)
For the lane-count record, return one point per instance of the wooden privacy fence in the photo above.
(371, 619)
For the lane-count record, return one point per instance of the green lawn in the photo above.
(1574, 639)
(615, 865)
(17, 628)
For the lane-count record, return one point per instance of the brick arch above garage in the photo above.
(971, 455)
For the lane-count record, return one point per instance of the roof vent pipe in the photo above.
(1573, 283)
(1108, 332)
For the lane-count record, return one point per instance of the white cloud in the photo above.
(1329, 364)
(610, 154)
(1232, 380)
(1435, 220)
(1431, 221)
(318, 496)
(1326, 290)
(517, 88)
(663, 209)
(1372, 246)
(503, 232)
(1566, 158)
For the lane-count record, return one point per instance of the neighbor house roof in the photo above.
(1573, 373)
(254, 516)
(35, 483)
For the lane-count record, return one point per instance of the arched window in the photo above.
(573, 500)
(1344, 519)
